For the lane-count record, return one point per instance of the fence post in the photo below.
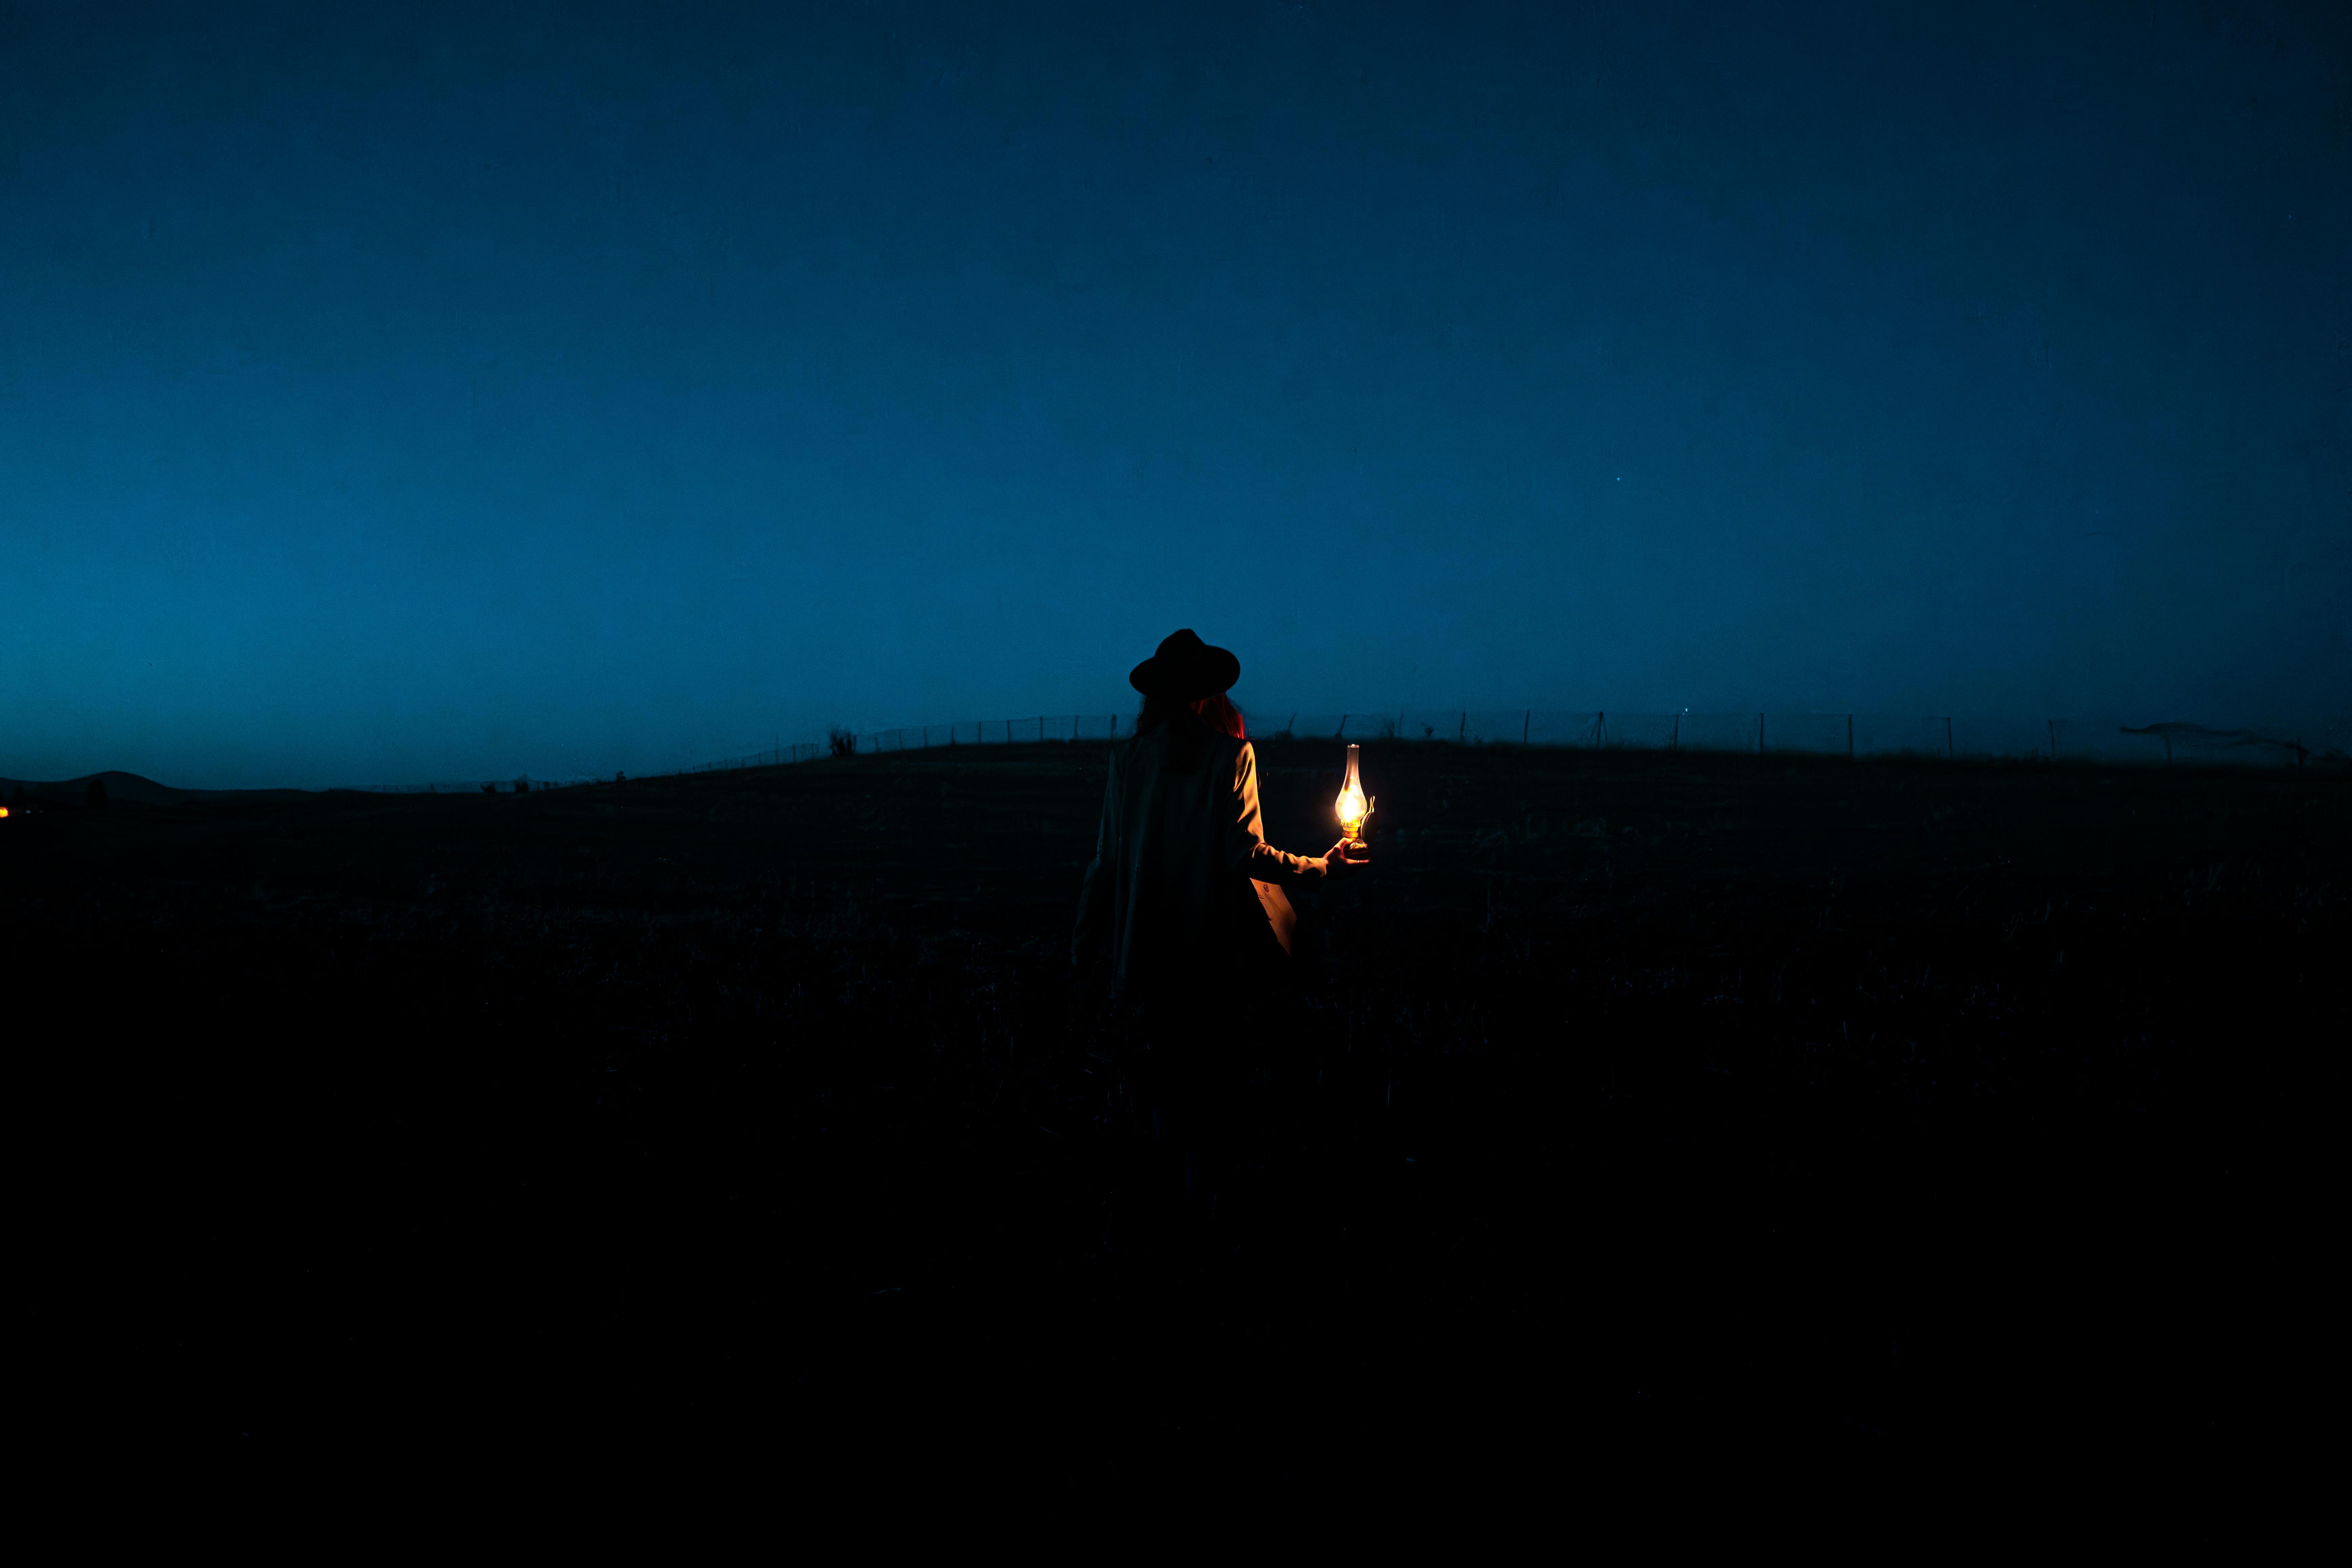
(1343, 728)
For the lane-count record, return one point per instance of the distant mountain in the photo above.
(122, 786)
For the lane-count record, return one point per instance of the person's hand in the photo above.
(1336, 862)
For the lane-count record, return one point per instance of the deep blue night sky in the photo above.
(412, 392)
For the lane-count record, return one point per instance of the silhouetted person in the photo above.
(95, 795)
(620, 778)
(489, 789)
(1185, 895)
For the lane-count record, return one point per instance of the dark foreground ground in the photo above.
(1714, 1109)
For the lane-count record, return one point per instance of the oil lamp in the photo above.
(1353, 808)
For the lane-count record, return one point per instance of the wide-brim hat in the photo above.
(1185, 670)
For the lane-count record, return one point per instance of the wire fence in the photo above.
(1046, 726)
(1854, 735)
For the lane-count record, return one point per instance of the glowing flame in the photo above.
(1352, 804)
(4, 811)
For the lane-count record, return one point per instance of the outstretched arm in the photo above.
(1246, 850)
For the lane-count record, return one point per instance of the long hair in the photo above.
(1216, 711)
(1194, 720)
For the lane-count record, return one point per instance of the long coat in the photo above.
(1182, 876)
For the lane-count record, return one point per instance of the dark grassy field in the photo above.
(1635, 1105)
